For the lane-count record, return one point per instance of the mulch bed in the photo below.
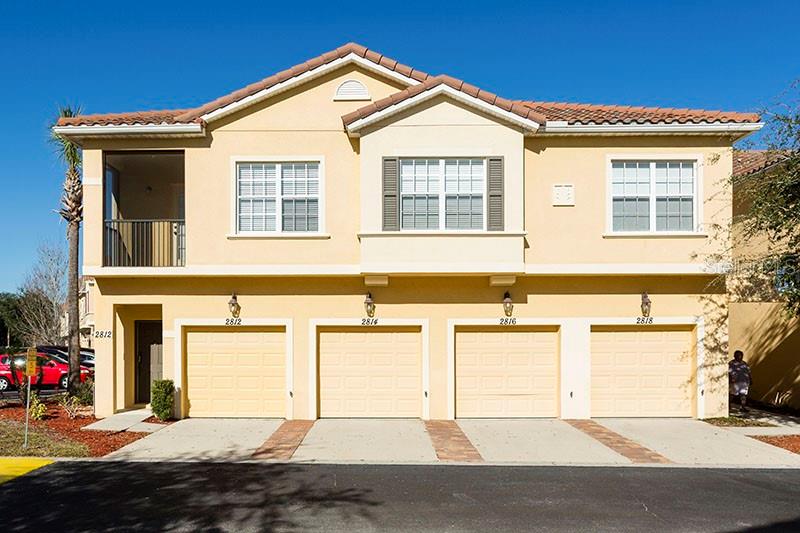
(787, 442)
(154, 420)
(99, 443)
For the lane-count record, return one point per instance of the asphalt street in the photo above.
(126, 496)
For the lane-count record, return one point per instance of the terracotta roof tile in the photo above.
(585, 114)
(746, 162)
(168, 116)
(430, 83)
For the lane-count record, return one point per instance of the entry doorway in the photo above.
(148, 347)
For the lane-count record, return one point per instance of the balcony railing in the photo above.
(144, 243)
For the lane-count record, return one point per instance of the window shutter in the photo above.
(494, 194)
(391, 193)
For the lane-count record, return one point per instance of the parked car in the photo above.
(53, 371)
(62, 352)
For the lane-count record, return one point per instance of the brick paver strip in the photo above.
(282, 444)
(450, 443)
(623, 446)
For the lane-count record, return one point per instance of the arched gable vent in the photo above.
(351, 90)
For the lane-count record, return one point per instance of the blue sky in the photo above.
(124, 56)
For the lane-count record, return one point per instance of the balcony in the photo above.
(145, 243)
(143, 208)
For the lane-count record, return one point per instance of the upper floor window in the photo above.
(653, 196)
(442, 194)
(277, 197)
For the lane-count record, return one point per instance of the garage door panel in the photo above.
(236, 373)
(506, 373)
(641, 372)
(370, 374)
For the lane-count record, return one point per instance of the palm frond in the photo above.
(67, 150)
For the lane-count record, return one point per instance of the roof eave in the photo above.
(738, 129)
(182, 129)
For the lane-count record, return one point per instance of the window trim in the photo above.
(234, 197)
(442, 195)
(698, 159)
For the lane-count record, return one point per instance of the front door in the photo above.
(148, 335)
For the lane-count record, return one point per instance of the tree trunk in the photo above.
(73, 326)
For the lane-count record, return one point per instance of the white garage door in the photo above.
(506, 373)
(642, 372)
(236, 373)
(372, 373)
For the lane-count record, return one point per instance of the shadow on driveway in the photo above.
(120, 496)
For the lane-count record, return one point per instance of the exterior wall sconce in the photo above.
(508, 304)
(234, 307)
(646, 304)
(369, 305)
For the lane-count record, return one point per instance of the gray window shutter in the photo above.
(391, 195)
(494, 193)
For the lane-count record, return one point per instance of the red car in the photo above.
(52, 371)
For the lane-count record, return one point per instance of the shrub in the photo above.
(38, 408)
(71, 405)
(84, 392)
(162, 398)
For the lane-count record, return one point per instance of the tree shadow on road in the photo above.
(112, 496)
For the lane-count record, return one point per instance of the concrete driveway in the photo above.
(694, 442)
(612, 442)
(201, 439)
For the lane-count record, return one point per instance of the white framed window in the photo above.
(277, 197)
(654, 196)
(443, 194)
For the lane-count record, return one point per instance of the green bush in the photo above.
(38, 408)
(84, 392)
(162, 398)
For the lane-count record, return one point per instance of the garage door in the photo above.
(236, 373)
(506, 373)
(375, 373)
(642, 372)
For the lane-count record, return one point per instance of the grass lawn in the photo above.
(735, 421)
(42, 442)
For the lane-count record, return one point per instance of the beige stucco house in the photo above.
(352, 237)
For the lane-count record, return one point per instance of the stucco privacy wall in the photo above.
(582, 235)
(435, 299)
(771, 345)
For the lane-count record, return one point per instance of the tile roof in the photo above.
(584, 114)
(466, 88)
(537, 111)
(746, 162)
(166, 116)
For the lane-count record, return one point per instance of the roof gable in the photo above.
(470, 95)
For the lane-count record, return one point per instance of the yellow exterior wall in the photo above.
(583, 161)
(435, 299)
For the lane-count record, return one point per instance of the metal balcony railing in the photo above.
(144, 243)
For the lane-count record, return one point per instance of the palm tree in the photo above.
(72, 212)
